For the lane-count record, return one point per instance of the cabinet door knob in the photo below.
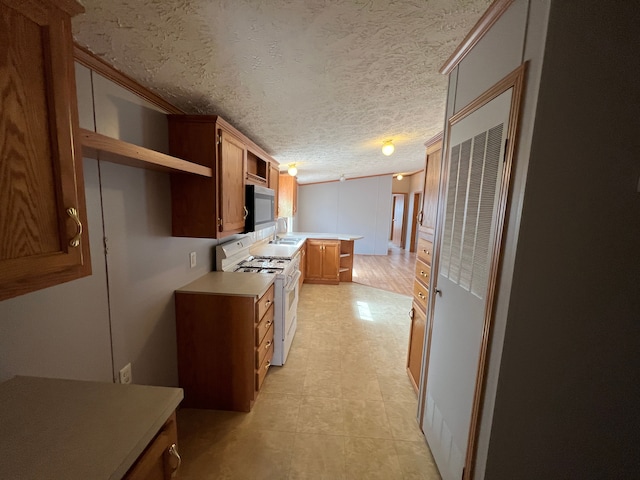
(73, 213)
(173, 451)
(246, 212)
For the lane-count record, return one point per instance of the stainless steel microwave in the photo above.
(261, 208)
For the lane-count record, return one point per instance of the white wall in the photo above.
(70, 330)
(567, 397)
(361, 206)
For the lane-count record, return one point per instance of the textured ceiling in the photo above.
(321, 83)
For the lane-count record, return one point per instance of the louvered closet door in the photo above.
(477, 145)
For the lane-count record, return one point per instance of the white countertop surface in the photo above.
(328, 236)
(76, 430)
(231, 283)
(271, 250)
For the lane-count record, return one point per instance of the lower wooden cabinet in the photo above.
(323, 261)
(160, 460)
(225, 346)
(416, 344)
(346, 260)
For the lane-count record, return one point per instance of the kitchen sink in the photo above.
(286, 241)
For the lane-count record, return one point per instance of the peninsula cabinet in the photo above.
(207, 207)
(323, 261)
(43, 234)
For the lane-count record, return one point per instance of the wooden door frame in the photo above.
(515, 80)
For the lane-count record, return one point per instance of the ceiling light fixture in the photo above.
(342, 179)
(388, 147)
(399, 176)
(293, 171)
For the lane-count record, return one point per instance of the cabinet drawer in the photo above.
(421, 294)
(423, 272)
(264, 303)
(263, 327)
(261, 372)
(265, 347)
(425, 250)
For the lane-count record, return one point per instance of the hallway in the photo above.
(341, 408)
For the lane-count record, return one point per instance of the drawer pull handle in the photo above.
(269, 323)
(421, 295)
(173, 451)
(73, 213)
(268, 345)
(267, 303)
(246, 212)
(267, 365)
(424, 274)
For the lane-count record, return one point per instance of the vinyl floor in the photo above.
(342, 407)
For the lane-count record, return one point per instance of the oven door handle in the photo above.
(294, 281)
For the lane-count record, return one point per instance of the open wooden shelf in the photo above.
(135, 156)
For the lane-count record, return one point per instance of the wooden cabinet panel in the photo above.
(40, 175)
(421, 294)
(429, 210)
(263, 327)
(274, 180)
(331, 261)
(323, 261)
(303, 263)
(265, 302)
(346, 260)
(288, 196)
(416, 345)
(160, 460)
(423, 273)
(231, 165)
(265, 347)
(425, 250)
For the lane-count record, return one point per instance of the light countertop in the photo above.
(271, 250)
(78, 430)
(230, 283)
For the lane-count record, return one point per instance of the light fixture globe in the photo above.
(388, 147)
(293, 171)
(399, 176)
(342, 178)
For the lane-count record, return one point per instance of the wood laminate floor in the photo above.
(393, 272)
(341, 408)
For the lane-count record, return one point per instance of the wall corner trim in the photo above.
(491, 16)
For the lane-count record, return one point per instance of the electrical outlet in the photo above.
(192, 259)
(125, 374)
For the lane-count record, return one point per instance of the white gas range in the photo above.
(235, 256)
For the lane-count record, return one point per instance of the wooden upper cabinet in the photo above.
(207, 207)
(43, 224)
(288, 196)
(274, 180)
(429, 212)
(231, 167)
